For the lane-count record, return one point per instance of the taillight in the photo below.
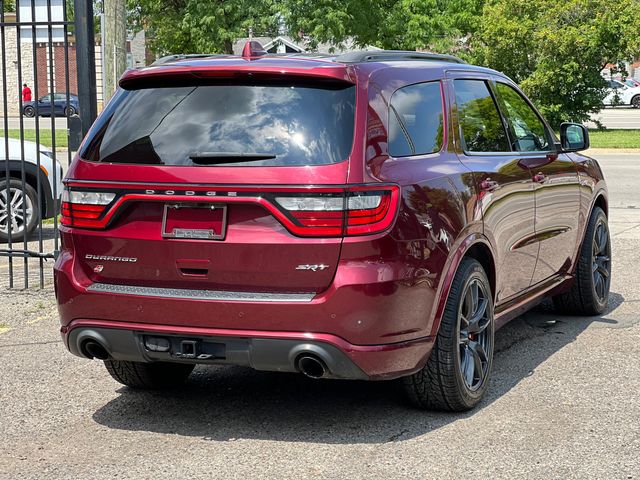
(84, 209)
(324, 211)
(370, 211)
(319, 215)
(361, 210)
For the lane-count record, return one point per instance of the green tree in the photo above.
(556, 50)
(438, 25)
(196, 26)
(8, 6)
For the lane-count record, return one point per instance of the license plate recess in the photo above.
(194, 221)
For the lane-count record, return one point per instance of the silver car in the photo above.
(20, 207)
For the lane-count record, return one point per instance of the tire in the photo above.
(68, 111)
(635, 101)
(149, 376)
(29, 111)
(18, 230)
(589, 294)
(444, 383)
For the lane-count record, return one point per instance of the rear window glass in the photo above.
(248, 125)
(415, 120)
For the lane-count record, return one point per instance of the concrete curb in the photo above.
(612, 151)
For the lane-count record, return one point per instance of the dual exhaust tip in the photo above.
(308, 364)
(92, 349)
(311, 366)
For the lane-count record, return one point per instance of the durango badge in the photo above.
(109, 258)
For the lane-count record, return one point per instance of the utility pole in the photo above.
(115, 45)
(85, 63)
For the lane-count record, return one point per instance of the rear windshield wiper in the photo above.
(213, 158)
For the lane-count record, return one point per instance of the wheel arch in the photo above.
(481, 252)
(474, 246)
(600, 201)
(31, 174)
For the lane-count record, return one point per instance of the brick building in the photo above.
(27, 60)
(23, 71)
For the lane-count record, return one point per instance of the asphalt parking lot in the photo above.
(563, 402)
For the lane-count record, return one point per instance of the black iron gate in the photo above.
(48, 84)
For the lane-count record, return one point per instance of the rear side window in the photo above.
(416, 120)
(240, 124)
(527, 130)
(480, 122)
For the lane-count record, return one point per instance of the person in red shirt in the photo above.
(26, 93)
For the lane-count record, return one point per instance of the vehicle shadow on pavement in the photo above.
(229, 403)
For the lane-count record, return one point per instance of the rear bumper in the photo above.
(372, 323)
(261, 350)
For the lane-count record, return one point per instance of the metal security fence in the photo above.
(44, 64)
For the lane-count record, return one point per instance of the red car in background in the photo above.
(372, 216)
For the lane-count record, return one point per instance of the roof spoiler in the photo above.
(183, 56)
(252, 49)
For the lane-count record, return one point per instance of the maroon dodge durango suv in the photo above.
(373, 215)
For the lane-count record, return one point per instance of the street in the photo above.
(30, 123)
(563, 402)
(618, 117)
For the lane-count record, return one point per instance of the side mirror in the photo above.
(574, 137)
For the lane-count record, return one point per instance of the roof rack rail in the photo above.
(303, 55)
(182, 56)
(389, 55)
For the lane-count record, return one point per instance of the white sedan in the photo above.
(621, 94)
(20, 207)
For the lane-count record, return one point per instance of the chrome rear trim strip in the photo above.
(192, 294)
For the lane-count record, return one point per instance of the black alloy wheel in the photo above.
(589, 294)
(601, 260)
(458, 371)
(476, 342)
